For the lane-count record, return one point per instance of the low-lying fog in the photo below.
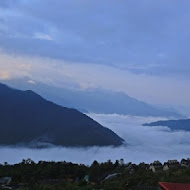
(143, 144)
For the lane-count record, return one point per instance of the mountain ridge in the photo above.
(95, 100)
(29, 116)
(181, 124)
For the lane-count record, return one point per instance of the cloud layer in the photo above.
(152, 89)
(142, 36)
(143, 144)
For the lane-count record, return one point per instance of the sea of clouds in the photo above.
(142, 144)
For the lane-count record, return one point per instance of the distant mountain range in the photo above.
(27, 118)
(94, 100)
(181, 124)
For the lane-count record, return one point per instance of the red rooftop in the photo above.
(174, 186)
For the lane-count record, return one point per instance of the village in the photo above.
(29, 175)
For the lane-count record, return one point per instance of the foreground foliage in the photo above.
(29, 175)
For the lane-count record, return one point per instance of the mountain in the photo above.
(94, 100)
(181, 124)
(26, 117)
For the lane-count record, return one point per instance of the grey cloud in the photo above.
(111, 32)
(151, 89)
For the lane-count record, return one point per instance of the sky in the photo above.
(143, 144)
(140, 47)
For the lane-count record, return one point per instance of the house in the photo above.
(171, 164)
(166, 166)
(131, 167)
(144, 166)
(156, 165)
(185, 163)
(174, 186)
(5, 181)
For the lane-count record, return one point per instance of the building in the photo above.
(171, 164)
(144, 166)
(185, 163)
(5, 180)
(166, 167)
(156, 165)
(131, 167)
(174, 186)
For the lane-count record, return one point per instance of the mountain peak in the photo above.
(29, 117)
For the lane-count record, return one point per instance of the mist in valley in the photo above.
(142, 144)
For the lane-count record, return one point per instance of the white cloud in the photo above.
(144, 144)
(42, 36)
(31, 82)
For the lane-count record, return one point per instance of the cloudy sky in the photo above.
(140, 47)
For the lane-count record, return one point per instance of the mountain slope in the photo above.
(181, 124)
(94, 100)
(26, 117)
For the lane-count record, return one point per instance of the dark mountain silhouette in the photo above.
(95, 100)
(26, 117)
(181, 124)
